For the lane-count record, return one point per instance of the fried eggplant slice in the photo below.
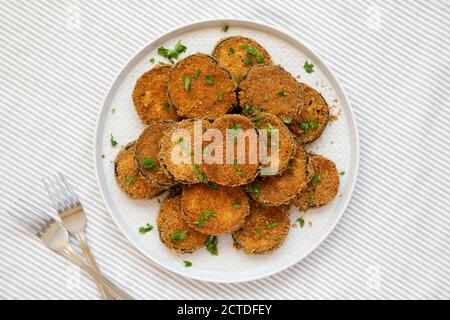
(264, 230)
(238, 54)
(271, 89)
(278, 190)
(150, 96)
(174, 232)
(323, 185)
(309, 124)
(130, 179)
(177, 151)
(146, 154)
(199, 88)
(241, 164)
(214, 210)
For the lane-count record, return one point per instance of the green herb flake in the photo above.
(282, 93)
(143, 94)
(342, 173)
(201, 177)
(266, 96)
(209, 79)
(183, 143)
(231, 51)
(238, 80)
(251, 51)
(261, 58)
(187, 264)
(273, 225)
(180, 235)
(166, 105)
(258, 231)
(197, 74)
(313, 124)
(309, 67)
(187, 83)
(301, 222)
(316, 179)
(213, 185)
(113, 141)
(148, 227)
(254, 189)
(287, 120)
(129, 180)
(242, 174)
(200, 223)
(237, 204)
(211, 246)
(220, 96)
(152, 60)
(243, 46)
(162, 63)
(148, 163)
(236, 166)
(248, 60)
(113, 110)
(207, 214)
(225, 28)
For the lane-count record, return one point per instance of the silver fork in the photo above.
(56, 238)
(72, 215)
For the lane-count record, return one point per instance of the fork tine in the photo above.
(35, 215)
(24, 223)
(20, 214)
(64, 189)
(69, 188)
(52, 193)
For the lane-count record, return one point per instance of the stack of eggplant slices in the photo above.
(237, 87)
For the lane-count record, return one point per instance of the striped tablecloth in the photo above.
(57, 59)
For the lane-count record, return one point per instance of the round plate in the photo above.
(339, 142)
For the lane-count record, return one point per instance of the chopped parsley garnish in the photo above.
(236, 166)
(254, 189)
(113, 141)
(306, 126)
(220, 95)
(180, 235)
(234, 126)
(213, 185)
(237, 204)
(233, 129)
(287, 120)
(146, 228)
(282, 93)
(301, 222)
(211, 246)
(162, 63)
(261, 58)
(113, 110)
(187, 83)
(242, 173)
(258, 231)
(183, 143)
(200, 223)
(238, 80)
(129, 180)
(204, 216)
(172, 54)
(166, 105)
(201, 177)
(342, 173)
(197, 74)
(248, 60)
(266, 96)
(230, 50)
(309, 67)
(225, 28)
(164, 52)
(148, 163)
(251, 51)
(270, 129)
(152, 60)
(209, 79)
(187, 264)
(273, 225)
(316, 179)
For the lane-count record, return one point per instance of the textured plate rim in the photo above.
(324, 67)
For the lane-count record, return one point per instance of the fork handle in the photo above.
(81, 238)
(114, 290)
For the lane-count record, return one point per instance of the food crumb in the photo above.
(103, 156)
(333, 118)
(331, 142)
(310, 223)
(335, 100)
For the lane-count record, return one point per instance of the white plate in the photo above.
(339, 142)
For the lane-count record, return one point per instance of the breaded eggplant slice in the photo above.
(278, 190)
(146, 154)
(174, 145)
(309, 124)
(286, 143)
(237, 171)
(150, 96)
(264, 230)
(199, 88)
(214, 211)
(130, 179)
(271, 89)
(174, 232)
(323, 185)
(238, 54)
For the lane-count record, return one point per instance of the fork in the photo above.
(56, 238)
(72, 215)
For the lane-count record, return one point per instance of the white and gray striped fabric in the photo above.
(57, 59)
